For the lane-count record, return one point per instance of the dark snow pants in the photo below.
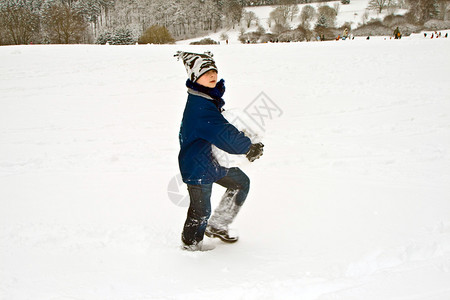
(237, 185)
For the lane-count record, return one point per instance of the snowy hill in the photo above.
(349, 201)
(352, 13)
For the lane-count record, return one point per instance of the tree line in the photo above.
(319, 22)
(84, 21)
(127, 21)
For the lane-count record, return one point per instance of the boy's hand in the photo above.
(255, 152)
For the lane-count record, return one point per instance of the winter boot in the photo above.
(224, 235)
(200, 246)
(222, 217)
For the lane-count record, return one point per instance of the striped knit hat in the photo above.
(197, 64)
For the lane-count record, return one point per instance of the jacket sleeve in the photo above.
(214, 128)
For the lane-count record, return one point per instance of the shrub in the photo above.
(124, 36)
(291, 36)
(373, 28)
(278, 29)
(156, 35)
(327, 33)
(406, 29)
(121, 36)
(347, 25)
(252, 37)
(224, 36)
(298, 35)
(437, 25)
(205, 41)
(393, 20)
(268, 37)
(402, 22)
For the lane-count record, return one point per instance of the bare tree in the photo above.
(444, 7)
(62, 24)
(249, 17)
(19, 21)
(287, 2)
(423, 10)
(337, 7)
(377, 5)
(293, 11)
(280, 16)
(328, 15)
(307, 15)
(365, 17)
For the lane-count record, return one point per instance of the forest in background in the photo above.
(161, 21)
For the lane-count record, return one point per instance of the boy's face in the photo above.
(209, 79)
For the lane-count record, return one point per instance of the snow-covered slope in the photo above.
(352, 13)
(349, 201)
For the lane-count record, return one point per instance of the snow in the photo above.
(352, 13)
(349, 201)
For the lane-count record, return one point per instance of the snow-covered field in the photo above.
(350, 200)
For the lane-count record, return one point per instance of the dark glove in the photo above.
(255, 152)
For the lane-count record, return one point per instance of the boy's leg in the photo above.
(198, 214)
(238, 185)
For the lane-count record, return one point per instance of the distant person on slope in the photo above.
(345, 34)
(397, 34)
(202, 126)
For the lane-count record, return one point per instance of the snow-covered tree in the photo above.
(232, 11)
(121, 36)
(96, 12)
(209, 15)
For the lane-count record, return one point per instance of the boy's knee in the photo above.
(245, 183)
(200, 216)
(243, 190)
(242, 180)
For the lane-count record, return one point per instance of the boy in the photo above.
(202, 126)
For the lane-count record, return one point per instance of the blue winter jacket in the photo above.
(202, 126)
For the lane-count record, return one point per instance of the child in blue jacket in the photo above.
(202, 126)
